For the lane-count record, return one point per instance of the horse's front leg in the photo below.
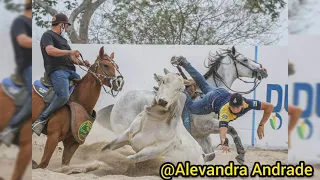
(240, 150)
(51, 144)
(201, 128)
(205, 143)
(25, 151)
(150, 152)
(122, 140)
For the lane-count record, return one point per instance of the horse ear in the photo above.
(233, 50)
(158, 78)
(101, 52)
(112, 55)
(166, 71)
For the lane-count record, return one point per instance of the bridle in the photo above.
(255, 74)
(110, 79)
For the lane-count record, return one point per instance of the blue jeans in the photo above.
(60, 81)
(204, 105)
(26, 110)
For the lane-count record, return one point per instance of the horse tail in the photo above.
(103, 117)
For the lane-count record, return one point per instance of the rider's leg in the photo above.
(199, 79)
(73, 75)
(199, 107)
(60, 81)
(25, 112)
(186, 113)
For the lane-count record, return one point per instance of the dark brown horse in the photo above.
(7, 110)
(86, 93)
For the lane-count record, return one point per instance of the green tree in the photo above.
(269, 7)
(12, 6)
(167, 21)
(80, 13)
(191, 22)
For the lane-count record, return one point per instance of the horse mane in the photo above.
(214, 62)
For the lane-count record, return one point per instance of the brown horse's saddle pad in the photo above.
(46, 81)
(81, 122)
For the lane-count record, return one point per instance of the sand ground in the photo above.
(114, 165)
(7, 163)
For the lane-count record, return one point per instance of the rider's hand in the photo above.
(225, 145)
(75, 53)
(177, 60)
(86, 63)
(225, 149)
(260, 131)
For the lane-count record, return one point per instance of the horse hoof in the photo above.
(34, 165)
(106, 148)
(240, 159)
(209, 157)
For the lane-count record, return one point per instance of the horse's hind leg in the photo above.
(25, 152)
(70, 147)
(51, 145)
(240, 150)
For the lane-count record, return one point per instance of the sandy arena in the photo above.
(7, 163)
(114, 165)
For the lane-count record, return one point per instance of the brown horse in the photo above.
(86, 93)
(7, 110)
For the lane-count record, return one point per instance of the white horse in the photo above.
(158, 132)
(224, 69)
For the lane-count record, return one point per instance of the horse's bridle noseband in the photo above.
(255, 74)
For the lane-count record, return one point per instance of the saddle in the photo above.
(81, 120)
(14, 87)
(46, 81)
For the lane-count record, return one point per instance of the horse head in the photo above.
(246, 67)
(105, 70)
(227, 66)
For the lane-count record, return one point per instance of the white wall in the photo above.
(304, 53)
(138, 63)
(7, 58)
(275, 59)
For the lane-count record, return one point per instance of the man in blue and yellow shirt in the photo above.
(228, 106)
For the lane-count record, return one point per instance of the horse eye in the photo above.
(245, 60)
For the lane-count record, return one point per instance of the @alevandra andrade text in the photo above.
(168, 170)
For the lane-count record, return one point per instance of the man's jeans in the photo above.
(204, 105)
(60, 81)
(26, 110)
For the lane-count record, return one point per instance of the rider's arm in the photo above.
(267, 110)
(19, 32)
(52, 51)
(224, 120)
(24, 41)
(47, 43)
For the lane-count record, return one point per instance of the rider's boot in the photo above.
(8, 135)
